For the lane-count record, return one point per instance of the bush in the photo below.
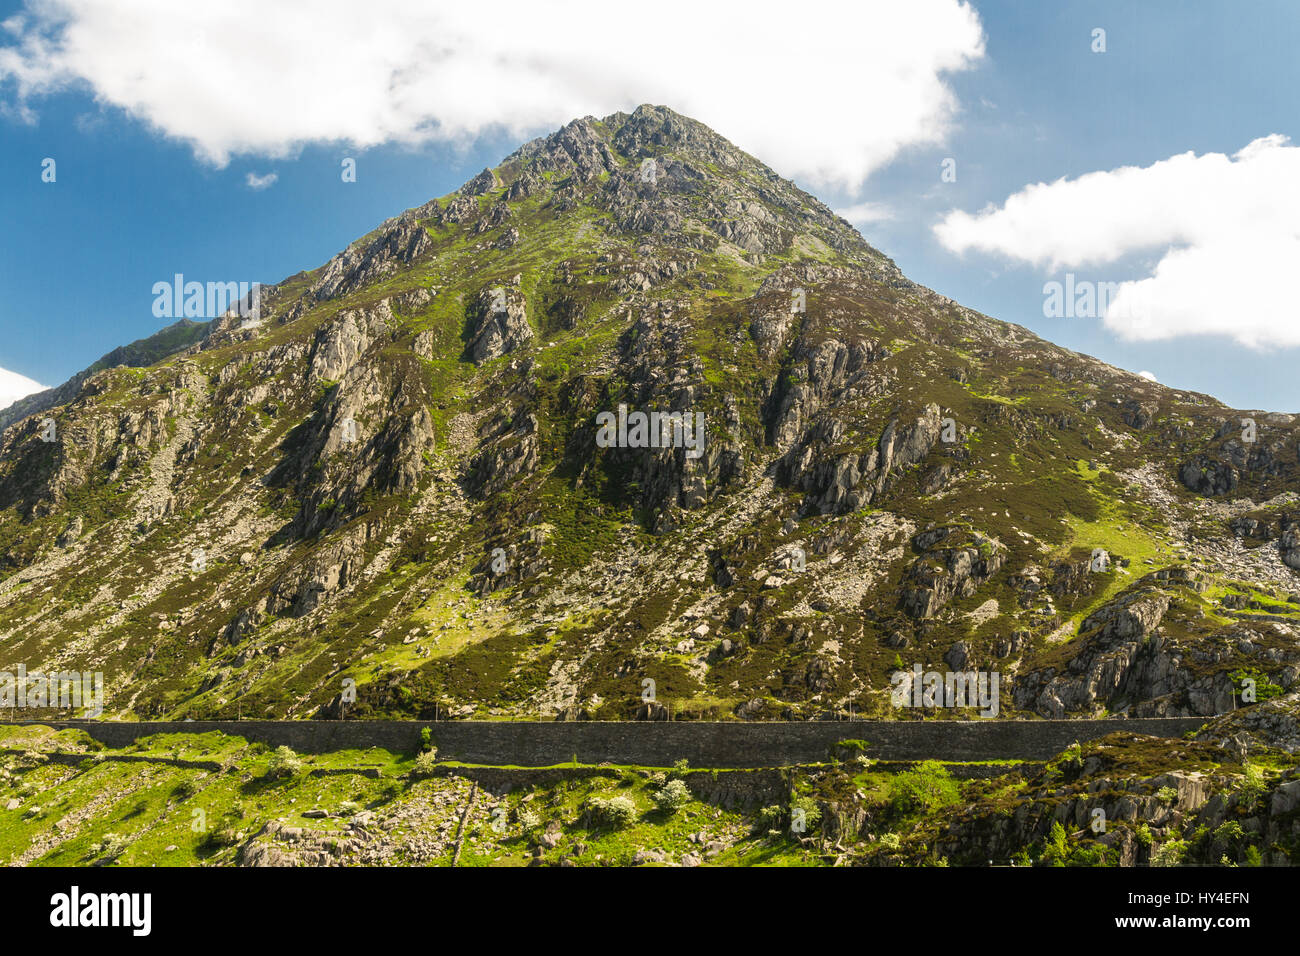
(113, 846)
(426, 739)
(1229, 832)
(283, 763)
(1252, 787)
(1056, 848)
(680, 768)
(927, 786)
(615, 812)
(812, 814)
(186, 789)
(672, 797)
(769, 818)
(528, 819)
(222, 837)
(1169, 854)
(425, 764)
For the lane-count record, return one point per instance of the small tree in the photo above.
(1252, 787)
(615, 812)
(672, 797)
(284, 763)
(425, 764)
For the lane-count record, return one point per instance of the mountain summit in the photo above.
(400, 494)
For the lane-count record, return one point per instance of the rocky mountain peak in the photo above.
(629, 406)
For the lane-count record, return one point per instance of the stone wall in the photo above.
(659, 744)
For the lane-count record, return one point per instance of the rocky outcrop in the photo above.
(1139, 415)
(1207, 476)
(509, 452)
(954, 562)
(498, 323)
(1270, 725)
(339, 344)
(838, 483)
(1124, 661)
(398, 243)
(1054, 818)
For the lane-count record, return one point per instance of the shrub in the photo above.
(615, 812)
(812, 814)
(283, 763)
(1169, 854)
(672, 797)
(927, 786)
(222, 837)
(425, 764)
(528, 819)
(769, 818)
(1143, 834)
(681, 767)
(1229, 832)
(113, 846)
(186, 789)
(426, 739)
(1166, 794)
(1056, 848)
(1252, 787)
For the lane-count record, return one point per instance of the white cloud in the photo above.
(1150, 376)
(1224, 230)
(261, 182)
(866, 212)
(828, 91)
(14, 386)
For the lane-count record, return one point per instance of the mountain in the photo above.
(403, 481)
(139, 354)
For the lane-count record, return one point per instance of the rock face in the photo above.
(1125, 661)
(840, 484)
(395, 482)
(498, 324)
(1208, 477)
(398, 244)
(953, 563)
(1184, 809)
(1274, 724)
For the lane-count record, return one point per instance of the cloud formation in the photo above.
(829, 102)
(14, 386)
(255, 181)
(864, 213)
(1224, 232)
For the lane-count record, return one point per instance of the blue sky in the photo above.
(152, 177)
